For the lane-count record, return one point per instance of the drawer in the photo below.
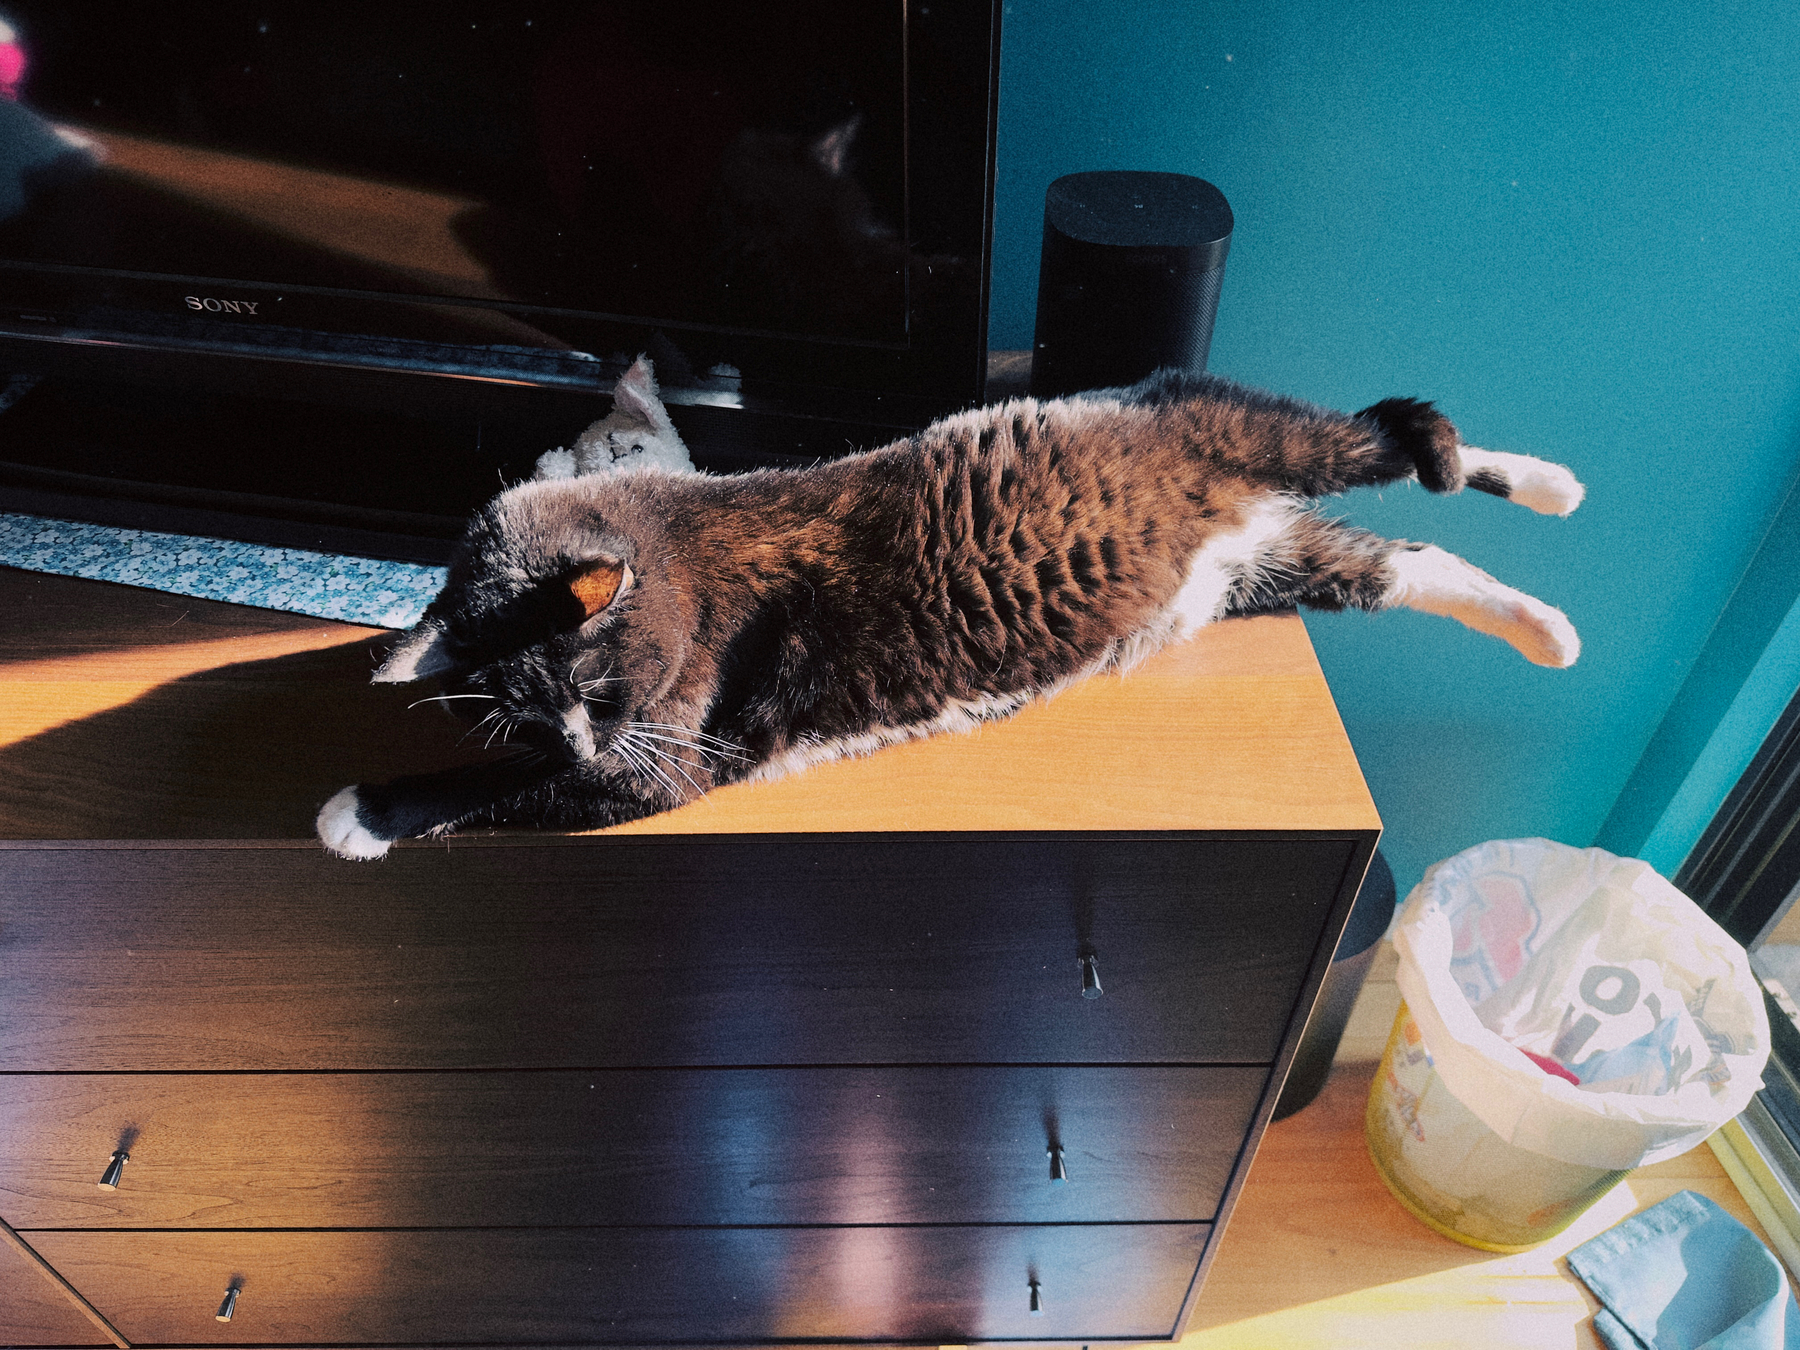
(938, 1285)
(672, 1146)
(35, 1312)
(667, 951)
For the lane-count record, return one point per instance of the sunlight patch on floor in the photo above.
(1523, 1300)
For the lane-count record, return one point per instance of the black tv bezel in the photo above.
(361, 348)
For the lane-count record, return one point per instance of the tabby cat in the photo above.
(648, 636)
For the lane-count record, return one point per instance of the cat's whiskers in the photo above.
(623, 749)
(675, 762)
(507, 725)
(575, 666)
(701, 741)
(635, 769)
(494, 713)
(700, 750)
(637, 729)
(445, 698)
(641, 764)
(605, 677)
(697, 735)
(652, 758)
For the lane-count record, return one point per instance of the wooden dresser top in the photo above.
(135, 715)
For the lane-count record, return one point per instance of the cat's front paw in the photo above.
(342, 831)
(1543, 635)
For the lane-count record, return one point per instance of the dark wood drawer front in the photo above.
(676, 1146)
(938, 1285)
(678, 951)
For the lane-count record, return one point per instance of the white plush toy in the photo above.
(636, 436)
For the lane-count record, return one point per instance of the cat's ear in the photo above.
(635, 392)
(597, 584)
(831, 152)
(423, 652)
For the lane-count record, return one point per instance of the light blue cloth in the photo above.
(1685, 1275)
(324, 585)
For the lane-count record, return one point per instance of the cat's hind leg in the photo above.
(1315, 452)
(1549, 489)
(1416, 432)
(1323, 564)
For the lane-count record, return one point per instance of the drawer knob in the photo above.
(229, 1306)
(1037, 1300)
(1090, 977)
(1057, 1171)
(109, 1179)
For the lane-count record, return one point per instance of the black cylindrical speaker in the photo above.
(1129, 278)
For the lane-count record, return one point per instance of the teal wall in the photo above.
(1738, 686)
(1576, 226)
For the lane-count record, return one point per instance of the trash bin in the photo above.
(1568, 1015)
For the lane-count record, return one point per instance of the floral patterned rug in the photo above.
(325, 585)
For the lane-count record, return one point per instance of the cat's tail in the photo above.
(1413, 434)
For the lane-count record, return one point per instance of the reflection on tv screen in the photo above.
(688, 161)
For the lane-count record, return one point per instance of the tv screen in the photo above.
(420, 240)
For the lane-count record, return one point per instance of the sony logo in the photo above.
(221, 306)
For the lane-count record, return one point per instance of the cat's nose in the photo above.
(578, 733)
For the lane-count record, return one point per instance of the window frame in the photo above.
(1743, 872)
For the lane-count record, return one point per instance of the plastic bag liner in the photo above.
(1598, 964)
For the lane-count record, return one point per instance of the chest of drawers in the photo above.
(971, 1040)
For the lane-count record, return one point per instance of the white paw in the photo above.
(1437, 582)
(1544, 635)
(1537, 484)
(1548, 489)
(557, 463)
(342, 833)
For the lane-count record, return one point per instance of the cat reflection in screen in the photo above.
(647, 635)
(794, 241)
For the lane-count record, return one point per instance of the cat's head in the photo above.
(557, 624)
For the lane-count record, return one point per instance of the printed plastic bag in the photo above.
(1579, 1005)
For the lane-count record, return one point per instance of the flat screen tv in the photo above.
(331, 274)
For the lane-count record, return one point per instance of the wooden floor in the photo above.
(1320, 1255)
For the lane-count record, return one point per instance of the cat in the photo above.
(650, 636)
(636, 436)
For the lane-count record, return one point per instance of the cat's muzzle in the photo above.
(578, 734)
